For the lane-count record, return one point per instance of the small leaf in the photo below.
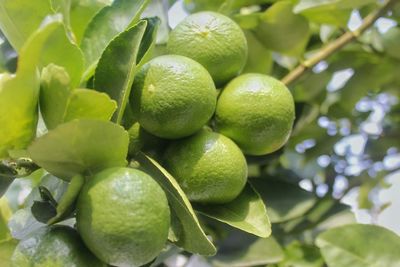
(80, 147)
(54, 93)
(5, 214)
(66, 204)
(116, 69)
(43, 211)
(6, 250)
(106, 24)
(284, 201)
(89, 104)
(247, 212)
(20, 18)
(359, 245)
(256, 252)
(282, 30)
(192, 237)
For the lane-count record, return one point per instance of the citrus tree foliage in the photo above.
(67, 68)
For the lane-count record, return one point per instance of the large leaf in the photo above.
(254, 252)
(360, 245)
(336, 12)
(259, 58)
(284, 201)
(81, 14)
(58, 103)
(107, 24)
(282, 30)
(116, 69)
(19, 94)
(81, 147)
(191, 236)
(20, 18)
(301, 255)
(247, 212)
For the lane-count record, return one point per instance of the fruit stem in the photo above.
(337, 44)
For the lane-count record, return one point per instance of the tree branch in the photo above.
(337, 44)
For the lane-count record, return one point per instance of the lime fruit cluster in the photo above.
(173, 96)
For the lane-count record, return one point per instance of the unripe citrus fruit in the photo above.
(123, 216)
(213, 40)
(257, 112)
(173, 96)
(56, 246)
(209, 167)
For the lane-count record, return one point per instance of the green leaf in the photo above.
(19, 94)
(283, 31)
(89, 104)
(66, 205)
(148, 41)
(284, 201)
(80, 147)
(259, 252)
(54, 94)
(105, 25)
(20, 18)
(247, 213)
(248, 21)
(359, 245)
(191, 237)
(58, 103)
(71, 57)
(49, 210)
(391, 42)
(335, 12)
(5, 214)
(301, 255)
(82, 12)
(6, 250)
(116, 69)
(43, 211)
(259, 58)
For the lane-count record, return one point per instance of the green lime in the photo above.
(173, 96)
(213, 40)
(123, 216)
(209, 167)
(257, 112)
(55, 246)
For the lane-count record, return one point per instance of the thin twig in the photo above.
(337, 44)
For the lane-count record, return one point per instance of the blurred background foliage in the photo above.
(346, 138)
